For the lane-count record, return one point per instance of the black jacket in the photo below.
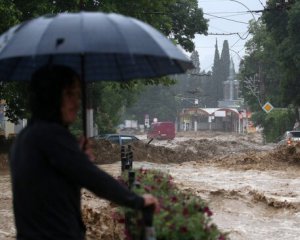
(48, 170)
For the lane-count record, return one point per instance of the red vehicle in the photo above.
(162, 130)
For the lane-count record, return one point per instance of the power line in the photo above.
(234, 15)
(213, 1)
(261, 3)
(222, 33)
(219, 29)
(214, 47)
(244, 6)
(227, 34)
(228, 12)
(232, 20)
(243, 38)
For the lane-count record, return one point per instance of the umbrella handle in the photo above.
(83, 96)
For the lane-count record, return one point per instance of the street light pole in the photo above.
(195, 102)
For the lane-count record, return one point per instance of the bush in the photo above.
(182, 215)
(275, 123)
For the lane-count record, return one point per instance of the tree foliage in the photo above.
(283, 26)
(224, 65)
(180, 20)
(196, 62)
(156, 101)
(272, 63)
(261, 65)
(9, 15)
(220, 73)
(275, 123)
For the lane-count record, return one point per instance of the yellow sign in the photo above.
(267, 107)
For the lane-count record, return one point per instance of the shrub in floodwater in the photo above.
(182, 216)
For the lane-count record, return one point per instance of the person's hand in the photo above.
(86, 146)
(151, 200)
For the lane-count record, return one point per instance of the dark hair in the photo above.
(45, 91)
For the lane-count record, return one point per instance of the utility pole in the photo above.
(81, 5)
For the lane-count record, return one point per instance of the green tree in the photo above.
(196, 62)
(9, 15)
(271, 66)
(283, 25)
(157, 102)
(275, 123)
(215, 89)
(224, 65)
(261, 69)
(187, 19)
(180, 20)
(109, 101)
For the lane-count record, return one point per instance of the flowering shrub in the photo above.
(181, 217)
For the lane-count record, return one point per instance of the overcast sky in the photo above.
(235, 10)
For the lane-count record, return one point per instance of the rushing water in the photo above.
(254, 205)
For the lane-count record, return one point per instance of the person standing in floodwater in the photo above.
(49, 167)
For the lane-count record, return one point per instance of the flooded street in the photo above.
(252, 189)
(248, 204)
(7, 228)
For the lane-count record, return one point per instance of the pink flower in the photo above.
(158, 180)
(185, 212)
(118, 217)
(143, 171)
(174, 199)
(207, 211)
(183, 229)
(121, 220)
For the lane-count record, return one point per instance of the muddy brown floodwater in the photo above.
(252, 189)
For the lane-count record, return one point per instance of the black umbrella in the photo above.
(99, 46)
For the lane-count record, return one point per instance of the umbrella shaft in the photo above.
(83, 93)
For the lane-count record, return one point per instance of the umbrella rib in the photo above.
(83, 83)
(150, 63)
(177, 62)
(121, 34)
(119, 66)
(43, 34)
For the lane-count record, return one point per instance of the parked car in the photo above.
(121, 139)
(161, 130)
(290, 138)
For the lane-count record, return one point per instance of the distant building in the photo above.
(231, 90)
(8, 128)
(214, 119)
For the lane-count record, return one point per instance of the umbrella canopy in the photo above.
(98, 46)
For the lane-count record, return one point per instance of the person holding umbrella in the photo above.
(49, 167)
